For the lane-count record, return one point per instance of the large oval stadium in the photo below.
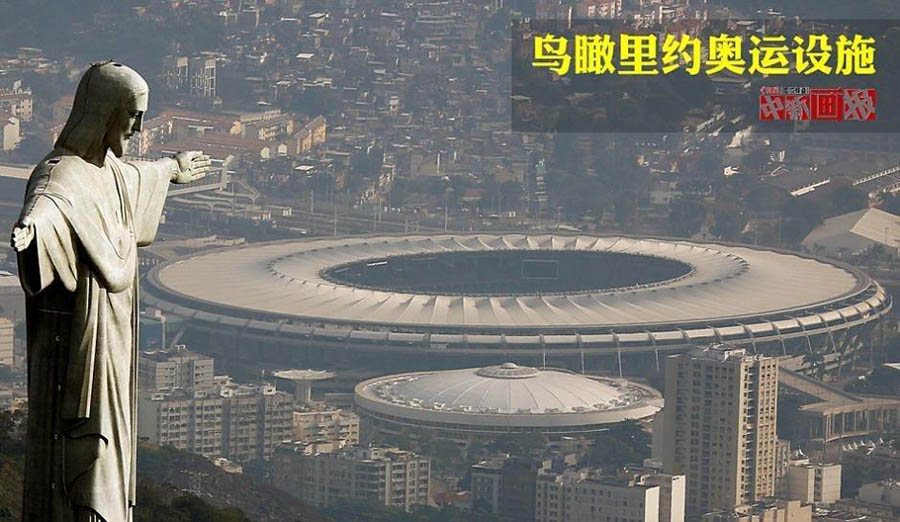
(459, 300)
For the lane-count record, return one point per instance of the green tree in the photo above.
(881, 381)
(19, 330)
(624, 443)
(311, 101)
(709, 165)
(198, 510)
(801, 216)
(762, 197)
(632, 432)
(626, 206)
(347, 510)
(816, 361)
(476, 450)
(12, 425)
(152, 507)
(686, 217)
(566, 155)
(580, 195)
(235, 89)
(518, 444)
(32, 148)
(847, 199)
(729, 223)
(756, 160)
(445, 453)
(510, 193)
(891, 203)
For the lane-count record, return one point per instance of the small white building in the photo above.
(589, 496)
(10, 132)
(809, 483)
(671, 495)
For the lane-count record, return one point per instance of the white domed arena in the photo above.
(583, 302)
(464, 405)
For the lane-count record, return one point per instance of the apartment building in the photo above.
(386, 475)
(17, 101)
(506, 485)
(192, 75)
(814, 483)
(237, 422)
(588, 495)
(176, 369)
(720, 426)
(326, 425)
(7, 342)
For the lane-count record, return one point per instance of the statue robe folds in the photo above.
(80, 279)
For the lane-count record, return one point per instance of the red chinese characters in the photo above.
(804, 104)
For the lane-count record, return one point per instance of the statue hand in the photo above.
(22, 235)
(192, 165)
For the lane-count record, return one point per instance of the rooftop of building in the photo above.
(179, 353)
(841, 516)
(888, 484)
(723, 352)
(499, 462)
(375, 454)
(508, 394)
(757, 508)
(507, 388)
(222, 387)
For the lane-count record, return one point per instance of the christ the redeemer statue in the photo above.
(85, 213)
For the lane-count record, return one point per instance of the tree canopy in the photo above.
(624, 443)
(347, 510)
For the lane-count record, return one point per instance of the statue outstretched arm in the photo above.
(184, 167)
(44, 243)
(192, 165)
(22, 239)
(149, 183)
(22, 234)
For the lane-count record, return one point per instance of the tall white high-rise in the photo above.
(7, 342)
(720, 426)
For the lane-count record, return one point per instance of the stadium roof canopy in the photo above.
(725, 283)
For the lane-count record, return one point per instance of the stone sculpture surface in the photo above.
(85, 213)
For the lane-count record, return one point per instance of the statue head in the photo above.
(109, 107)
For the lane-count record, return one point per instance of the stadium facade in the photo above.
(415, 302)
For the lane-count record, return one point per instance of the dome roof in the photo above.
(507, 394)
(508, 371)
